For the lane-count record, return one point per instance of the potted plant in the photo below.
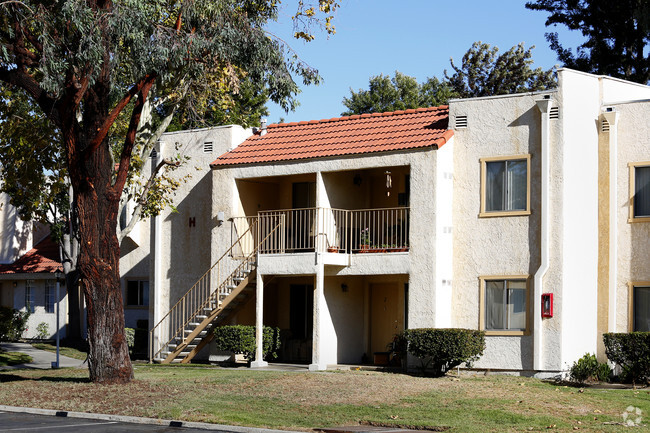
(364, 240)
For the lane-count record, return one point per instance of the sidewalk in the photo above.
(40, 358)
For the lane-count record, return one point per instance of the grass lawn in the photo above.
(302, 400)
(13, 358)
(70, 352)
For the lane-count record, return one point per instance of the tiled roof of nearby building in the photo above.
(350, 135)
(43, 258)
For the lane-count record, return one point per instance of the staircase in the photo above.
(189, 324)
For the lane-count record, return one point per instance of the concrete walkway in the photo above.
(40, 358)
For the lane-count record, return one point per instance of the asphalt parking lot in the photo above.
(24, 422)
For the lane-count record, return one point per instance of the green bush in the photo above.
(588, 367)
(42, 331)
(442, 349)
(241, 339)
(129, 333)
(630, 351)
(12, 323)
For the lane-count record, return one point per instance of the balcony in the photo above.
(325, 230)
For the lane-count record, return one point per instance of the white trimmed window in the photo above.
(29, 295)
(50, 291)
(640, 307)
(504, 304)
(137, 293)
(505, 186)
(639, 192)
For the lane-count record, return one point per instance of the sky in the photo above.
(415, 37)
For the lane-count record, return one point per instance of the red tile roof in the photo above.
(43, 258)
(350, 135)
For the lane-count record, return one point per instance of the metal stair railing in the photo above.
(191, 304)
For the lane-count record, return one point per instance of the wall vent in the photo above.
(207, 147)
(554, 113)
(461, 121)
(604, 125)
(153, 154)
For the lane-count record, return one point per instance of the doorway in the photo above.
(386, 314)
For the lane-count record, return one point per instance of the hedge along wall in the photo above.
(630, 351)
(441, 349)
(240, 339)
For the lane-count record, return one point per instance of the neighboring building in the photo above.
(343, 232)
(29, 284)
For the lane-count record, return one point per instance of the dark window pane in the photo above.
(494, 307)
(495, 188)
(517, 185)
(641, 309)
(642, 192)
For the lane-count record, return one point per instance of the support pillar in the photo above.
(317, 355)
(259, 323)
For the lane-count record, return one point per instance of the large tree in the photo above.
(482, 72)
(617, 35)
(84, 63)
(398, 93)
(485, 72)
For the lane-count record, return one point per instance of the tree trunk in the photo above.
(98, 265)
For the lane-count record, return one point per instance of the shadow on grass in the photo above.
(8, 377)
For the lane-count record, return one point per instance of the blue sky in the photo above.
(416, 38)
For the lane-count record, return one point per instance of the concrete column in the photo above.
(259, 323)
(320, 309)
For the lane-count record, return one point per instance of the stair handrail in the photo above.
(251, 229)
(245, 261)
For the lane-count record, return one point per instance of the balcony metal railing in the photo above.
(325, 230)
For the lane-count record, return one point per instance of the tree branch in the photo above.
(102, 131)
(129, 140)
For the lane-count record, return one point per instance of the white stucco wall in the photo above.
(15, 234)
(182, 248)
(40, 315)
(581, 109)
(633, 245)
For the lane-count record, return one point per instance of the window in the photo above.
(504, 305)
(505, 186)
(49, 296)
(639, 314)
(29, 295)
(639, 192)
(137, 293)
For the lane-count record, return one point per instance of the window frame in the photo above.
(30, 304)
(631, 286)
(140, 281)
(482, 304)
(501, 213)
(50, 295)
(632, 167)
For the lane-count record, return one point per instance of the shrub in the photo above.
(631, 351)
(129, 333)
(12, 323)
(588, 367)
(241, 339)
(42, 331)
(443, 349)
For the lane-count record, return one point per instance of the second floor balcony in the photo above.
(325, 230)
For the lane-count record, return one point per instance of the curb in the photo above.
(140, 420)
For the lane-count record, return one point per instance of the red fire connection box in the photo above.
(547, 304)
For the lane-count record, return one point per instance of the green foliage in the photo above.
(616, 34)
(129, 333)
(631, 352)
(12, 323)
(485, 72)
(482, 72)
(588, 367)
(241, 339)
(42, 331)
(398, 93)
(442, 349)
